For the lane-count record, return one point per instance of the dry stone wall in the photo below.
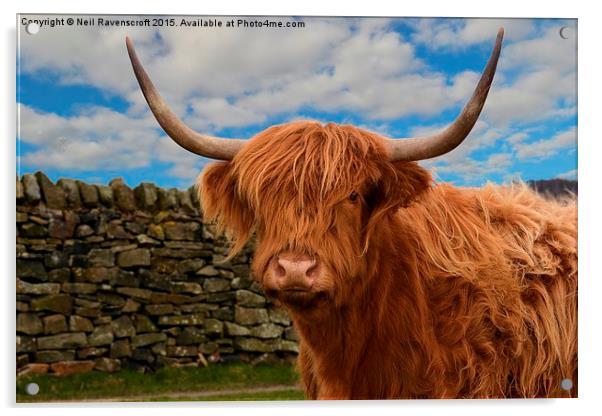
(110, 277)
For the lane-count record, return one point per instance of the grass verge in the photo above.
(290, 394)
(168, 384)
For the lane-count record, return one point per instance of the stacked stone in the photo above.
(110, 277)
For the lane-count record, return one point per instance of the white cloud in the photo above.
(517, 138)
(546, 148)
(546, 51)
(531, 85)
(571, 174)
(509, 146)
(536, 77)
(472, 170)
(481, 137)
(99, 138)
(546, 84)
(222, 114)
(82, 56)
(230, 78)
(462, 33)
(373, 73)
(461, 161)
(533, 97)
(184, 165)
(238, 77)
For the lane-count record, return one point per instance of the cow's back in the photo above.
(500, 268)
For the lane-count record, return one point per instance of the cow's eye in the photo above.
(353, 196)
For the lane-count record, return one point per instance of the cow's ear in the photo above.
(221, 202)
(409, 183)
(400, 184)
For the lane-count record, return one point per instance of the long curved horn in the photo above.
(208, 146)
(438, 144)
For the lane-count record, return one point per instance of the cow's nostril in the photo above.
(312, 270)
(280, 271)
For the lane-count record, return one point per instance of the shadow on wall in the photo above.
(109, 278)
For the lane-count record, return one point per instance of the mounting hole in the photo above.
(564, 32)
(32, 28)
(32, 389)
(566, 384)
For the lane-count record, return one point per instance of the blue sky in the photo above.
(82, 116)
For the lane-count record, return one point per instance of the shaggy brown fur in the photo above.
(430, 291)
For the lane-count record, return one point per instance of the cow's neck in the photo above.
(382, 313)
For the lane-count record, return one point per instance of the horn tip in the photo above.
(500, 32)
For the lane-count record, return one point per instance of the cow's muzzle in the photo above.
(292, 278)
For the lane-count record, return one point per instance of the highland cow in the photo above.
(398, 287)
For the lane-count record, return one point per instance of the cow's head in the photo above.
(313, 194)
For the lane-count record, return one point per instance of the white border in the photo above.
(590, 177)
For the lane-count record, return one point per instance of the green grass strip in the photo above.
(129, 384)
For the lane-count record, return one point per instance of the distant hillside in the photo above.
(554, 187)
